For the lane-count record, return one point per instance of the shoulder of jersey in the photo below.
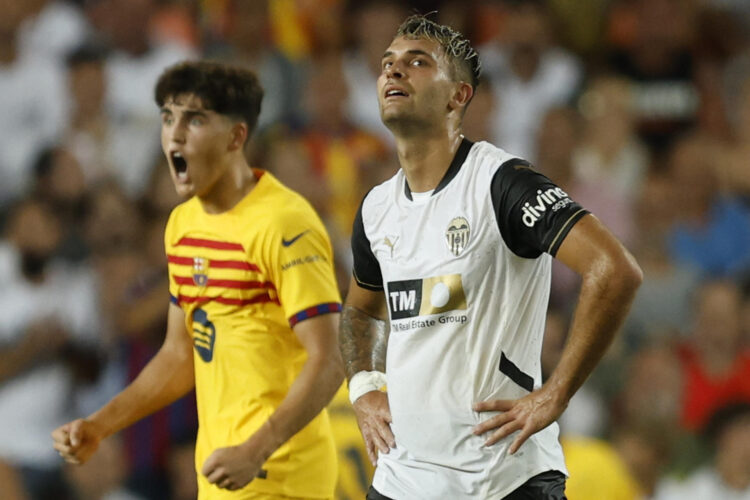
(490, 157)
(386, 191)
(184, 209)
(286, 208)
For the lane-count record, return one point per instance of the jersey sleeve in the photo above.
(366, 267)
(303, 268)
(533, 214)
(169, 250)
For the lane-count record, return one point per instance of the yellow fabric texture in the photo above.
(241, 277)
(596, 472)
(355, 469)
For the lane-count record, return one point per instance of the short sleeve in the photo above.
(303, 267)
(366, 267)
(533, 214)
(169, 250)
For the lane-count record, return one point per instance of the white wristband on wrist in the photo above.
(364, 382)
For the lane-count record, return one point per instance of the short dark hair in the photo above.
(723, 417)
(228, 90)
(462, 56)
(86, 53)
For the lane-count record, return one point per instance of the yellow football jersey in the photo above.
(596, 471)
(244, 278)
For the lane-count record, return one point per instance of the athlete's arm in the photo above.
(363, 340)
(43, 339)
(233, 467)
(610, 278)
(166, 378)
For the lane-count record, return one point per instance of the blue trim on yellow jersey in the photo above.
(313, 311)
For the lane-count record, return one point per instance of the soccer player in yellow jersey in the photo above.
(254, 307)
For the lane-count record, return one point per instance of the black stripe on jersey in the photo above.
(366, 269)
(533, 214)
(508, 368)
(458, 160)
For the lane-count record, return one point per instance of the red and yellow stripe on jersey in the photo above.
(244, 278)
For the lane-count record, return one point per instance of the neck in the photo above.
(426, 158)
(230, 188)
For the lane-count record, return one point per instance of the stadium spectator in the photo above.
(656, 58)
(714, 361)
(712, 229)
(32, 97)
(48, 344)
(53, 28)
(248, 42)
(728, 475)
(530, 74)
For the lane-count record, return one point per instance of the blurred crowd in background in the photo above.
(639, 109)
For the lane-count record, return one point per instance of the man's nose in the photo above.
(177, 133)
(394, 71)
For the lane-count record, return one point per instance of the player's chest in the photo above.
(204, 263)
(438, 237)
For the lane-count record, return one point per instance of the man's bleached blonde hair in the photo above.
(463, 58)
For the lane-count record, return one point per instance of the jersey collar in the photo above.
(461, 153)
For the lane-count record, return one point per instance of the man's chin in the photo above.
(185, 191)
(399, 122)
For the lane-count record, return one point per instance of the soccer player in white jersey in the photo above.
(451, 282)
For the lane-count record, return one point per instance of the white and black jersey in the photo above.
(466, 274)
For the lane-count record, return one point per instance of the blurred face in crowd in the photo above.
(195, 141)
(605, 107)
(35, 231)
(693, 176)
(113, 222)
(88, 87)
(718, 319)
(733, 453)
(415, 87)
(64, 185)
(124, 22)
(374, 26)
(248, 24)
(527, 30)
(558, 138)
(326, 91)
(653, 387)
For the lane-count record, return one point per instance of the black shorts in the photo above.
(548, 485)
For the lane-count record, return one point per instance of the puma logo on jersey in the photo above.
(390, 242)
(553, 199)
(422, 297)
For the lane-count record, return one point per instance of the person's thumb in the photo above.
(76, 433)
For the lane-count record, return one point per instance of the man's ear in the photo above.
(239, 136)
(461, 96)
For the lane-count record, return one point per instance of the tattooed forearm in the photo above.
(363, 341)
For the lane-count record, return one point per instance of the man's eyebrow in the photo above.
(414, 52)
(187, 112)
